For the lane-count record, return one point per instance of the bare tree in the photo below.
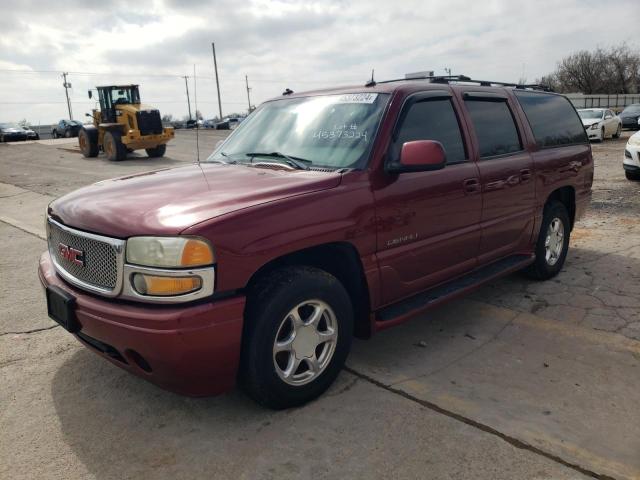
(613, 70)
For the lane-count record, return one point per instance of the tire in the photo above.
(618, 132)
(632, 176)
(158, 151)
(269, 319)
(88, 142)
(113, 146)
(67, 134)
(549, 261)
(602, 134)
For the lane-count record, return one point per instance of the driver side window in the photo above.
(432, 119)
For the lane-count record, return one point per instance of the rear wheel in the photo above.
(553, 242)
(299, 324)
(158, 151)
(113, 146)
(88, 143)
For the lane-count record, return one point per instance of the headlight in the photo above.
(169, 252)
(594, 126)
(634, 140)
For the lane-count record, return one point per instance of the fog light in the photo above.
(159, 286)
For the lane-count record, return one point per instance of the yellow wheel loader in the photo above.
(123, 125)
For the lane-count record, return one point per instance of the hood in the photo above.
(633, 114)
(587, 122)
(165, 202)
(12, 130)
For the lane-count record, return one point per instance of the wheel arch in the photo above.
(340, 259)
(567, 196)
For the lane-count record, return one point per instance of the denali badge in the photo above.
(71, 254)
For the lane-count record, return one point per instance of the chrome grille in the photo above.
(101, 258)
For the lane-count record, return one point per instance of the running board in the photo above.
(405, 308)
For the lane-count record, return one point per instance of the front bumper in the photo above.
(135, 141)
(631, 159)
(188, 349)
(15, 137)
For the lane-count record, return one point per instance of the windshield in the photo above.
(124, 95)
(590, 114)
(334, 131)
(75, 122)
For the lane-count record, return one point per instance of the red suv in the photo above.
(324, 215)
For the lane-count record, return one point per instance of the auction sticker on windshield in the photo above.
(358, 98)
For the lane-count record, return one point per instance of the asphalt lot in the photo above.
(521, 380)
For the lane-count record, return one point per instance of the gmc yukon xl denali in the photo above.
(323, 216)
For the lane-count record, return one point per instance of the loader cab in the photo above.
(111, 96)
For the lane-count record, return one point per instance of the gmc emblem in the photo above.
(71, 254)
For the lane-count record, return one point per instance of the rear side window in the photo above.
(553, 119)
(494, 126)
(432, 120)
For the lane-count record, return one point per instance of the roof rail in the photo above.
(464, 79)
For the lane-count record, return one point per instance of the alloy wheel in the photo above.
(305, 342)
(554, 242)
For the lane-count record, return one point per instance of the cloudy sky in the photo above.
(280, 44)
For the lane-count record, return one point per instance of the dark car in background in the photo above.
(630, 115)
(11, 132)
(66, 128)
(228, 123)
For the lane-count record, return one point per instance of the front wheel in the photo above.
(553, 242)
(113, 146)
(158, 151)
(618, 132)
(67, 134)
(298, 330)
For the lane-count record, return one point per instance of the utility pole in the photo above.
(448, 70)
(186, 85)
(67, 86)
(215, 68)
(246, 79)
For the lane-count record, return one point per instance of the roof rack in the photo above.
(463, 78)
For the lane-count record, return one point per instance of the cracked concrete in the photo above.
(531, 380)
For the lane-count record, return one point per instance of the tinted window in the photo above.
(495, 128)
(552, 118)
(432, 120)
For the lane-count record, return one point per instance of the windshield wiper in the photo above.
(299, 163)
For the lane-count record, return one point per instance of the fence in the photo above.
(614, 101)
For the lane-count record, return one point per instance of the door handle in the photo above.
(525, 175)
(471, 185)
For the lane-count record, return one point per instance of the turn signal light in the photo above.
(159, 286)
(196, 252)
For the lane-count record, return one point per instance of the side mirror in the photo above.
(90, 93)
(420, 156)
(607, 117)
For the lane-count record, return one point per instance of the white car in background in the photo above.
(600, 123)
(631, 161)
